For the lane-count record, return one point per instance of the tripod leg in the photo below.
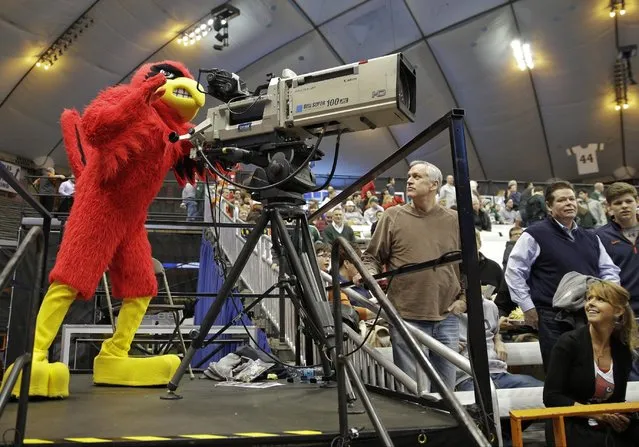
(237, 318)
(363, 395)
(307, 248)
(351, 398)
(281, 281)
(223, 293)
(318, 310)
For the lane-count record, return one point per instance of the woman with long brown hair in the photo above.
(591, 365)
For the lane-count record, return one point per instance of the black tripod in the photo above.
(300, 279)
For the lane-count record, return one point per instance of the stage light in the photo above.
(528, 55)
(523, 54)
(217, 24)
(62, 43)
(617, 6)
(217, 20)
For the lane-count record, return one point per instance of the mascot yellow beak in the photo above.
(184, 95)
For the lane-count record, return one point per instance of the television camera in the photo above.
(270, 127)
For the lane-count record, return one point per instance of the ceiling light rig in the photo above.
(62, 43)
(523, 54)
(617, 7)
(217, 21)
(623, 75)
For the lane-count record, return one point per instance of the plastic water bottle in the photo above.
(311, 374)
(305, 375)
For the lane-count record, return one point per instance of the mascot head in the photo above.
(181, 92)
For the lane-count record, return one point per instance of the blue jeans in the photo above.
(191, 210)
(445, 331)
(504, 380)
(549, 332)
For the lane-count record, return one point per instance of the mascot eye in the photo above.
(168, 74)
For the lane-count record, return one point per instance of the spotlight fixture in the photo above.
(523, 54)
(621, 84)
(617, 7)
(217, 20)
(62, 43)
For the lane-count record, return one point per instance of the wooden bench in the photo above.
(557, 414)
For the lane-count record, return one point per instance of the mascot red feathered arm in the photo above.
(120, 154)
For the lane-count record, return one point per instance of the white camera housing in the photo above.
(363, 95)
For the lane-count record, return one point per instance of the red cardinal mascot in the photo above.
(120, 154)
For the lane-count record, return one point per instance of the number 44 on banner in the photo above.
(586, 157)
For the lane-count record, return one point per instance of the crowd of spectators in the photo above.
(560, 240)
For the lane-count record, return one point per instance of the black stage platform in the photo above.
(292, 414)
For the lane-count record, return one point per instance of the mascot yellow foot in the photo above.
(113, 366)
(48, 379)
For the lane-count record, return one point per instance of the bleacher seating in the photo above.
(10, 220)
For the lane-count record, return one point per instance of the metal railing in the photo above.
(40, 237)
(378, 371)
(392, 316)
(22, 364)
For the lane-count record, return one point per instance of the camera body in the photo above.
(269, 128)
(363, 95)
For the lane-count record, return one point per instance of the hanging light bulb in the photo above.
(38, 64)
(622, 12)
(209, 22)
(518, 53)
(625, 105)
(528, 55)
(612, 13)
(617, 107)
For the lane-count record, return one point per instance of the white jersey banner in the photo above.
(586, 157)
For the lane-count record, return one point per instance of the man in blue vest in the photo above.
(544, 253)
(619, 237)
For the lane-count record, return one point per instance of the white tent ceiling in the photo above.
(519, 123)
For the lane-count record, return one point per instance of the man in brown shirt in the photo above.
(430, 299)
